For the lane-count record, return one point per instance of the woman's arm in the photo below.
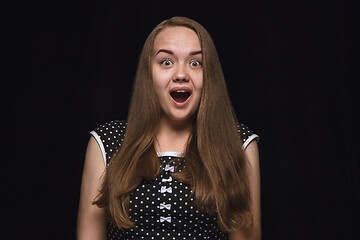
(253, 233)
(91, 222)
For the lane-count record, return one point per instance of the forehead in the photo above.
(177, 38)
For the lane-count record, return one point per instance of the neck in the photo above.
(173, 135)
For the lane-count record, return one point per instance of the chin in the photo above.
(180, 118)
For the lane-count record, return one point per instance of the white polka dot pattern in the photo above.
(162, 208)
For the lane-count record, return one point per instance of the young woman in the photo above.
(180, 167)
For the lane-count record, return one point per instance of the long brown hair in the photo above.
(216, 166)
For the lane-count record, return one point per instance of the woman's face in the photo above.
(177, 72)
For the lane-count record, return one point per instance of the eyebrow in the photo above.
(172, 53)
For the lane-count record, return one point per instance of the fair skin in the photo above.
(253, 233)
(176, 67)
(91, 222)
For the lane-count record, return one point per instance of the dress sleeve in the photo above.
(247, 136)
(109, 136)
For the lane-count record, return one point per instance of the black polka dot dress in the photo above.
(162, 208)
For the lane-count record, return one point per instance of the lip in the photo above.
(178, 104)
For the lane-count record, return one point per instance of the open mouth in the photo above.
(180, 95)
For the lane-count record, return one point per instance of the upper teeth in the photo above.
(180, 91)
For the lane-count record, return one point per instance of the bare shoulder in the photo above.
(94, 155)
(252, 153)
(254, 232)
(91, 221)
(94, 168)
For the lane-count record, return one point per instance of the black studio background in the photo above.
(291, 69)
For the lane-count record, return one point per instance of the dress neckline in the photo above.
(170, 154)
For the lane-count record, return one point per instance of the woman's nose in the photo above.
(180, 74)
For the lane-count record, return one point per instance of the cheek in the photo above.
(198, 82)
(156, 79)
(157, 89)
(159, 86)
(198, 85)
(159, 77)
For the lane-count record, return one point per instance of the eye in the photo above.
(166, 62)
(195, 63)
